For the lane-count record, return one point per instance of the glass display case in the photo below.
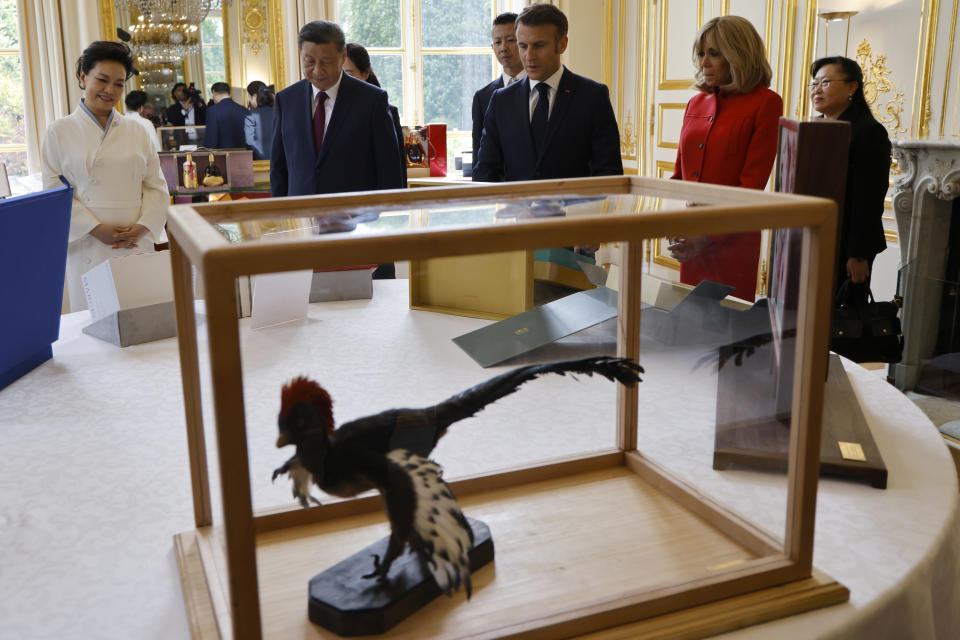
(603, 500)
(182, 138)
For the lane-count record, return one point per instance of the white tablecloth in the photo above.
(95, 478)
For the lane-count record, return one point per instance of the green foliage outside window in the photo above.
(389, 70)
(9, 35)
(456, 23)
(448, 78)
(372, 23)
(211, 31)
(12, 125)
(214, 61)
(449, 82)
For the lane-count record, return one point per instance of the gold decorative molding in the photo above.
(253, 24)
(606, 48)
(628, 139)
(642, 56)
(925, 117)
(663, 106)
(922, 95)
(621, 89)
(278, 67)
(768, 27)
(876, 84)
(809, 44)
(662, 259)
(946, 86)
(663, 82)
(225, 22)
(664, 168)
(108, 20)
(787, 44)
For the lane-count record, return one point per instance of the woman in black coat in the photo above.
(358, 65)
(837, 94)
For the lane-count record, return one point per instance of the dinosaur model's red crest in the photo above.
(302, 389)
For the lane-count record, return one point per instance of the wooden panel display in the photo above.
(583, 544)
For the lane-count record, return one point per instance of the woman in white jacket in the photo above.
(120, 197)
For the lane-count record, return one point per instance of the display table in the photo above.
(95, 479)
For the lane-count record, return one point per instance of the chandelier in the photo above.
(166, 31)
(173, 11)
(156, 76)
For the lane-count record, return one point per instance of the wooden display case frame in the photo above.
(220, 568)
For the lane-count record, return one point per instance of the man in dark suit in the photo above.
(225, 120)
(553, 124)
(332, 132)
(504, 44)
(187, 107)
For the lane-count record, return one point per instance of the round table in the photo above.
(95, 479)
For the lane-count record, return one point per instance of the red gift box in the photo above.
(437, 134)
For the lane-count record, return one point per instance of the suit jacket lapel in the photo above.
(560, 105)
(338, 116)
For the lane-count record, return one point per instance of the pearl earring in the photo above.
(850, 97)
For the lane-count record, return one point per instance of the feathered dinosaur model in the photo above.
(388, 451)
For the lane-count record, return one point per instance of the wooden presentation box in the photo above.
(236, 167)
(619, 536)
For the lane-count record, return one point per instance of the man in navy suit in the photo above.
(225, 120)
(332, 132)
(504, 44)
(553, 124)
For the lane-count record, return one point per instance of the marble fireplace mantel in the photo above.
(922, 194)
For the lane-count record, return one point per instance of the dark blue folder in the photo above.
(33, 260)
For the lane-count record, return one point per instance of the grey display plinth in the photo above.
(136, 326)
(346, 284)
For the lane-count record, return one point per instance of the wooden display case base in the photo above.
(584, 545)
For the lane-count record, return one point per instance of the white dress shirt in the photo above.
(328, 105)
(508, 79)
(553, 82)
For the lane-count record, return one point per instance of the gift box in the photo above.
(437, 137)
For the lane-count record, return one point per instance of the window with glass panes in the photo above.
(13, 140)
(211, 42)
(430, 56)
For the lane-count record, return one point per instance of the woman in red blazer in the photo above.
(729, 136)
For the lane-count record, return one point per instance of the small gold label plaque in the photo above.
(852, 451)
(522, 331)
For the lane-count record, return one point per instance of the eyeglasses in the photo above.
(824, 83)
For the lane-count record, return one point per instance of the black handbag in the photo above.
(865, 330)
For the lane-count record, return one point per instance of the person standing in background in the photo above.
(120, 197)
(332, 133)
(258, 124)
(358, 65)
(504, 44)
(837, 94)
(139, 111)
(729, 137)
(187, 108)
(552, 124)
(225, 120)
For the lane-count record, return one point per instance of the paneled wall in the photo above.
(906, 48)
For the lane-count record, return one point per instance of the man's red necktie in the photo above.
(319, 121)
